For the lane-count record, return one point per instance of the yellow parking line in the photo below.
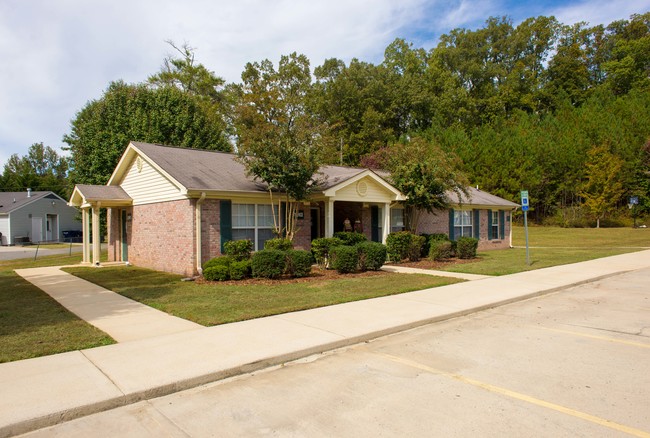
(600, 338)
(522, 397)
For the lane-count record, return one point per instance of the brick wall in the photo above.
(162, 237)
(434, 223)
(210, 230)
(439, 223)
(302, 238)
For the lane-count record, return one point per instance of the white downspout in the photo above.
(511, 214)
(199, 255)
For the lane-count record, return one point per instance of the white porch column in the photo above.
(329, 218)
(96, 237)
(385, 229)
(85, 234)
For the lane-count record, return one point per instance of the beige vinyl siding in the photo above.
(146, 185)
(374, 192)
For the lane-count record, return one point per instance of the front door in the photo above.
(125, 246)
(51, 228)
(37, 229)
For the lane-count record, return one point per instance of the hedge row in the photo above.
(268, 263)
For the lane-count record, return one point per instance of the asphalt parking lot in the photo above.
(573, 363)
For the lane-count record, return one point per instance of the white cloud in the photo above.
(597, 12)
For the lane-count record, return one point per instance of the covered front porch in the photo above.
(90, 199)
(362, 203)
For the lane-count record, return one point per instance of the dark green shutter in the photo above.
(477, 224)
(225, 222)
(374, 223)
(502, 224)
(451, 224)
(490, 236)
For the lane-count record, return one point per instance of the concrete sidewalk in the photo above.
(49, 390)
(120, 317)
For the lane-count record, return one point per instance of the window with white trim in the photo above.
(462, 223)
(253, 222)
(495, 224)
(396, 219)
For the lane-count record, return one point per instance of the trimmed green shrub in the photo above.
(216, 273)
(279, 244)
(268, 263)
(415, 247)
(218, 261)
(398, 245)
(372, 256)
(350, 238)
(466, 247)
(345, 259)
(238, 249)
(320, 248)
(240, 269)
(426, 248)
(440, 250)
(298, 263)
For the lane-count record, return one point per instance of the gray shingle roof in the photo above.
(7, 204)
(198, 169)
(94, 192)
(478, 197)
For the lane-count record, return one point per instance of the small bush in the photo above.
(320, 248)
(415, 247)
(440, 250)
(466, 247)
(398, 245)
(345, 259)
(216, 273)
(240, 269)
(218, 261)
(372, 256)
(350, 238)
(238, 249)
(431, 238)
(268, 263)
(298, 263)
(279, 244)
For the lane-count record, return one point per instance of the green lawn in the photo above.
(31, 323)
(551, 246)
(212, 304)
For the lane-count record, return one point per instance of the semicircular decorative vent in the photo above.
(362, 188)
(138, 164)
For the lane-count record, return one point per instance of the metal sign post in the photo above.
(524, 208)
(634, 201)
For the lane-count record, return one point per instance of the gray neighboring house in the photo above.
(35, 217)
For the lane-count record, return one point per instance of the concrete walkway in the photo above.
(48, 390)
(120, 317)
(408, 270)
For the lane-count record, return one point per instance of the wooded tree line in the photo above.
(537, 106)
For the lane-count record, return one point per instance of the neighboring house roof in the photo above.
(10, 201)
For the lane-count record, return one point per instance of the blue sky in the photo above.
(57, 55)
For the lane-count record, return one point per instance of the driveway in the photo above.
(24, 252)
(573, 363)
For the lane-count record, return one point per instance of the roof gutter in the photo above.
(199, 254)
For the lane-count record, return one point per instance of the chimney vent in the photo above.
(29, 193)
